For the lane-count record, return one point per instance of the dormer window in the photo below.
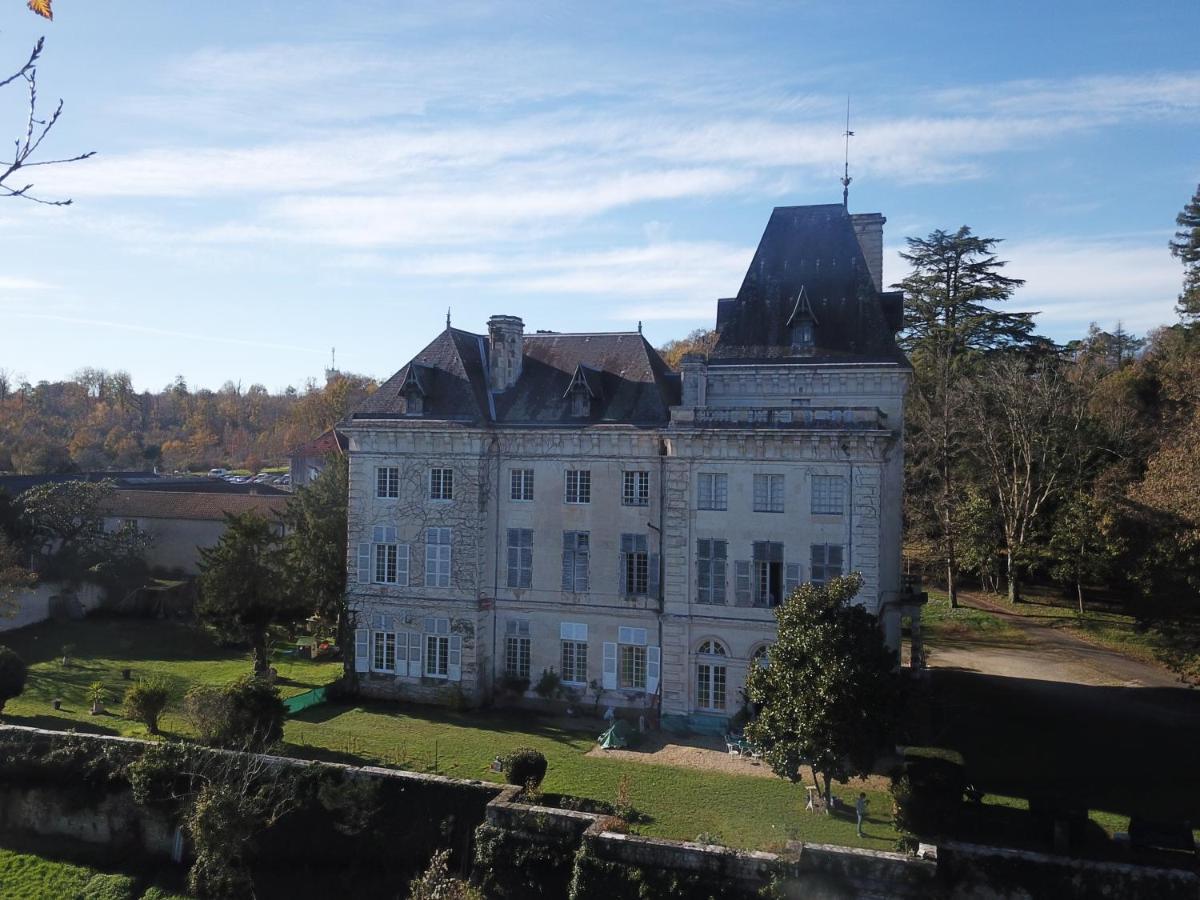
(412, 392)
(802, 335)
(581, 401)
(802, 324)
(583, 391)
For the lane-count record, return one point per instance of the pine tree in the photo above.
(1186, 248)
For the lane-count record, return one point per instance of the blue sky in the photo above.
(274, 179)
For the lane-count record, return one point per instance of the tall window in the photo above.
(578, 486)
(632, 668)
(826, 562)
(636, 490)
(520, 557)
(575, 561)
(710, 676)
(383, 655)
(712, 490)
(516, 648)
(635, 565)
(389, 558)
(574, 652)
(710, 574)
(521, 484)
(828, 495)
(437, 557)
(802, 335)
(768, 493)
(387, 482)
(441, 484)
(768, 573)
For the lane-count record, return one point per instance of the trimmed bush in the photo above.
(12, 675)
(525, 766)
(927, 795)
(245, 714)
(109, 887)
(145, 702)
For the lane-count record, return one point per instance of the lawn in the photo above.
(681, 803)
(942, 624)
(182, 654)
(36, 877)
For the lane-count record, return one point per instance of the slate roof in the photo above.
(632, 385)
(130, 504)
(814, 249)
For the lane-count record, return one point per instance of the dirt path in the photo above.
(1045, 653)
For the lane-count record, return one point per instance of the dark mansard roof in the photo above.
(627, 382)
(809, 263)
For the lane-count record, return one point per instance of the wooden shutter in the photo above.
(652, 576)
(362, 649)
(791, 579)
(653, 665)
(454, 663)
(741, 582)
(414, 654)
(364, 563)
(609, 680)
(568, 561)
(622, 561)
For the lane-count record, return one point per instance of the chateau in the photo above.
(522, 502)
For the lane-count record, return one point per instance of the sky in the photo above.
(274, 180)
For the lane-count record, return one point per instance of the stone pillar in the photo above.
(869, 229)
(506, 351)
(695, 380)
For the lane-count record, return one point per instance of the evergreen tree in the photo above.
(949, 323)
(1186, 248)
(314, 550)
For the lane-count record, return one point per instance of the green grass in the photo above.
(941, 624)
(182, 654)
(34, 877)
(741, 810)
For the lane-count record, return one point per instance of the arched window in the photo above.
(761, 656)
(711, 676)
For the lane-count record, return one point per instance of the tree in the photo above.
(1186, 248)
(948, 325)
(1078, 546)
(314, 550)
(12, 675)
(1028, 427)
(14, 577)
(702, 340)
(246, 714)
(829, 694)
(145, 702)
(241, 585)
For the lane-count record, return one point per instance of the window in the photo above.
(387, 482)
(441, 484)
(768, 573)
(129, 525)
(710, 574)
(581, 400)
(383, 656)
(574, 652)
(437, 557)
(443, 651)
(710, 676)
(632, 671)
(636, 490)
(768, 493)
(802, 335)
(389, 559)
(712, 490)
(826, 562)
(828, 495)
(575, 561)
(579, 486)
(437, 655)
(520, 557)
(516, 648)
(741, 582)
(635, 565)
(522, 484)
(761, 657)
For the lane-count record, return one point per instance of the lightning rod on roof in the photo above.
(447, 317)
(846, 179)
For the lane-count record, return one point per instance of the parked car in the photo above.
(217, 473)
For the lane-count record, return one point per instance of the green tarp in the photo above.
(619, 736)
(303, 701)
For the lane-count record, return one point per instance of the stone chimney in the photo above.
(506, 351)
(868, 227)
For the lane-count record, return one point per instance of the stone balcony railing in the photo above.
(838, 417)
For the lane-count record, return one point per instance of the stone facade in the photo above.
(578, 508)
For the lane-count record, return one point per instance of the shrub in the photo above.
(109, 887)
(927, 796)
(436, 883)
(145, 702)
(548, 684)
(525, 766)
(95, 693)
(12, 675)
(245, 714)
(513, 684)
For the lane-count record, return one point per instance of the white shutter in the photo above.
(610, 667)
(653, 658)
(414, 654)
(791, 580)
(364, 563)
(454, 666)
(361, 649)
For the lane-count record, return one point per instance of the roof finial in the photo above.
(447, 318)
(846, 179)
(639, 326)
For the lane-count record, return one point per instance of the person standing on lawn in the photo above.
(860, 810)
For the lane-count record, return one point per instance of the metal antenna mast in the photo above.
(846, 179)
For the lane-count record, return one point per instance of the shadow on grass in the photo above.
(59, 723)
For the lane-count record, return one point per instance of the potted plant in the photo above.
(96, 695)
